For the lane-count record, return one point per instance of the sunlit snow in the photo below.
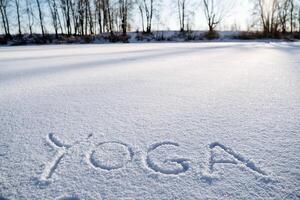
(150, 121)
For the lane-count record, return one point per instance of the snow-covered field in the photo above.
(150, 121)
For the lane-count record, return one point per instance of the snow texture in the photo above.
(150, 121)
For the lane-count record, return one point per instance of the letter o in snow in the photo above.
(111, 155)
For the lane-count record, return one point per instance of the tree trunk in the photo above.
(183, 16)
(18, 16)
(3, 8)
(3, 18)
(41, 17)
(292, 15)
(142, 17)
(29, 15)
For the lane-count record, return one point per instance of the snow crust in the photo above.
(150, 121)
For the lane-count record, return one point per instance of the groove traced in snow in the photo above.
(50, 167)
(98, 164)
(56, 141)
(248, 163)
(295, 195)
(184, 163)
(68, 198)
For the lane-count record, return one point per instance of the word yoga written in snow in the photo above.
(115, 155)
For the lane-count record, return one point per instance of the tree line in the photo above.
(89, 17)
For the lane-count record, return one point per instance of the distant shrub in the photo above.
(3, 40)
(117, 38)
(297, 36)
(184, 36)
(18, 42)
(159, 36)
(291, 36)
(189, 35)
(170, 36)
(143, 36)
(87, 39)
(39, 39)
(246, 35)
(211, 35)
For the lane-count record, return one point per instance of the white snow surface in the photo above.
(150, 121)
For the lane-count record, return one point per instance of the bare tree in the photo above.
(90, 17)
(30, 16)
(215, 11)
(109, 16)
(184, 13)
(66, 11)
(106, 15)
(75, 15)
(140, 6)
(4, 16)
(268, 12)
(181, 13)
(54, 15)
(17, 3)
(99, 14)
(276, 15)
(292, 15)
(125, 7)
(41, 17)
(283, 14)
(123, 4)
(87, 17)
(146, 8)
(287, 15)
(85, 5)
(299, 19)
(149, 14)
